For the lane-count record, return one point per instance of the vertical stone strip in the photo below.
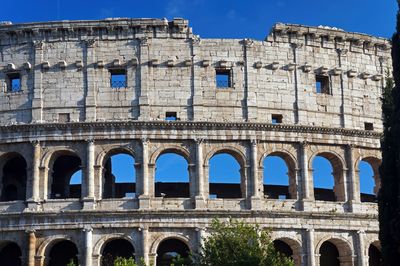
(88, 246)
(90, 84)
(144, 103)
(31, 247)
(196, 83)
(37, 101)
(360, 248)
(254, 170)
(199, 168)
(90, 169)
(310, 247)
(306, 179)
(145, 167)
(353, 183)
(145, 244)
(35, 170)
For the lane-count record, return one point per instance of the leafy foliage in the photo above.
(235, 243)
(120, 261)
(389, 194)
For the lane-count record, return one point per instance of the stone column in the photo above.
(88, 246)
(310, 247)
(361, 248)
(306, 180)
(145, 244)
(255, 188)
(89, 74)
(31, 247)
(353, 184)
(35, 171)
(90, 169)
(200, 197)
(200, 237)
(144, 198)
(144, 102)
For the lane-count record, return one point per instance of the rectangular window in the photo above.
(223, 78)
(368, 126)
(171, 116)
(63, 117)
(13, 82)
(277, 119)
(322, 84)
(118, 78)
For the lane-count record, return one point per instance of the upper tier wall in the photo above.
(64, 69)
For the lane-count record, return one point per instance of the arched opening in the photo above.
(329, 254)
(62, 253)
(374, 256)
(114, 249)
(119, 176)
(225, 176)
(172, 176)
(14, 179)
(283, 248)
(279, 177)
(328, 178)
(169, 249)
(369, 179)
(10, 254)
(66, 177)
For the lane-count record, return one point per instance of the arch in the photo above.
(293, 244)
(169, 248)
(290, 191)
(156, 243)
(100, 244)
(374, 254)
(167, 183)
(338, 193)
(233, 151)
(13, 177)
(116, 247)
(62, 252)
(10, 254)
(44, 247)
(110, 187)
(169, 149)
(63, 164)
(111, 150)
(327, 247)
(374, 163)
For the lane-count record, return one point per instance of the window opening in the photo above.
(118, 78)
(368, 126)
(13, 82)
(223, 78)
(277, 119)
(322, 84)
(171, 116)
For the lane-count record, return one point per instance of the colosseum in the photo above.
(75, 93)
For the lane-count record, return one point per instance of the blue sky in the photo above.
(222, 19)
(219, 19)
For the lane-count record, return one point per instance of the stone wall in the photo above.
(67, 107)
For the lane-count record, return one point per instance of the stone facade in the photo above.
(64, 105)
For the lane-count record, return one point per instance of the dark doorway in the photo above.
(329, 255)
(10, 255)
(283, 248)
(116, 248)
(63, 169)
(63, 253)
(169, 249)
(14, 179)
(375, 257)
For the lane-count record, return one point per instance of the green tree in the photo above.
(120, 261)
(235, 243)
(389, 196)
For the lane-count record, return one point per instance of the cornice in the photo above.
(189, 125)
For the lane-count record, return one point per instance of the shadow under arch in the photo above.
(62, 165)
(289, 191)
(10, 253)
(13, 177)
(333, 251)
(289, 247)
(338, 193)
(170, 247)
(65, 250)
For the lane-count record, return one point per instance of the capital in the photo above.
(254, 142)
(90, 141)
(87, 229)
(38, 45)
(199, 140)
(35, 143)
(89, 42)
